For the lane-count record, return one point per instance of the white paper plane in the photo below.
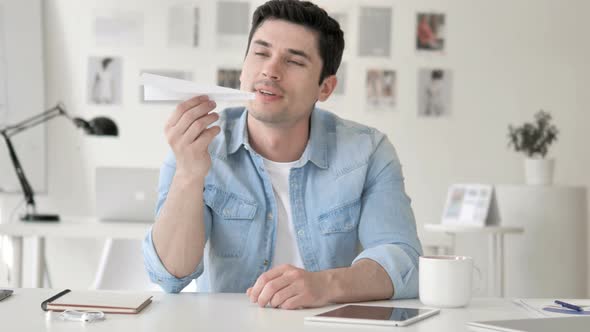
(162, 88)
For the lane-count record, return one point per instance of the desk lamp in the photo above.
(99, 126)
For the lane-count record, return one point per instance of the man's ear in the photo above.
(327, 87)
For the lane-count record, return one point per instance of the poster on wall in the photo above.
(183, 75)
(183, 26)
(430, 32)
(118, 28)
(104, 81)
(233, 24)
(229, 78)
(381, 89)
(434, 92)
(375, 27)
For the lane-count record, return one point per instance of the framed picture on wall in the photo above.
(430, 32)
(470, 205)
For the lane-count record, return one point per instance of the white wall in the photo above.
(509, 59)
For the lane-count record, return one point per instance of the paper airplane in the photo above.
(162, 88)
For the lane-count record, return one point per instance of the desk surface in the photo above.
(78, 227)
(231, 312)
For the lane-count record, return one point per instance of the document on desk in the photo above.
(543, 308)
(162, 88)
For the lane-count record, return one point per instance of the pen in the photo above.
(569, 305)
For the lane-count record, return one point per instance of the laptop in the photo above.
(565, 324)
(126, 194)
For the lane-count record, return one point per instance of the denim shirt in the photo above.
(348, 203)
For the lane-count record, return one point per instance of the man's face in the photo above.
(283, 68)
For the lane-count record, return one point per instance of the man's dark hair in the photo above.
(330, 36)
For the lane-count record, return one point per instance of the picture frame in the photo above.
(471, 205)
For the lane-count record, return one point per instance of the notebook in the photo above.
(107, 302)
(126, 194)
(569, 324)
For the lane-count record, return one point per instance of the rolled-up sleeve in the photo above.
(387, 227)
(154, 266)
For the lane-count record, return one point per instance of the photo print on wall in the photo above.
(434, 92)
(381, 89)
(229, 78)
(183, 26)
(104, 84)
(430, 32)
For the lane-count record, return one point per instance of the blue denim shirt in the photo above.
(348, 191)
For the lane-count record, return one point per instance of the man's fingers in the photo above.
(271, 288)
(263, 279)
(207, 136)
(198, 127)
(294, 302)
(182, 108)
(283, 295)
(190, 116)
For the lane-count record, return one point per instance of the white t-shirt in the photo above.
(286, 250)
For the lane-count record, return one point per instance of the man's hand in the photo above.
(288, 287)
(187, 134)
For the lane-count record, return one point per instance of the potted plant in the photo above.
(534, 139)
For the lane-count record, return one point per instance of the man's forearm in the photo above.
(179, 231)
(365, 280)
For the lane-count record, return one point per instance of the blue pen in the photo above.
(569, 305)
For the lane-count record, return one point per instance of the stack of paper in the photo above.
(547, 308)
(162, 88)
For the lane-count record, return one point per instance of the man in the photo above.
(274, 199)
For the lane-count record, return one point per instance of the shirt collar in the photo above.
(316, 150)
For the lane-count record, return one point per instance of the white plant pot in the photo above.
(539, 171)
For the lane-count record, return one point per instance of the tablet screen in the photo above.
(374, 313)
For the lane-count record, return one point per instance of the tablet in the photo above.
(374, 315)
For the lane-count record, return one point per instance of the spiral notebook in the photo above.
(107, 302)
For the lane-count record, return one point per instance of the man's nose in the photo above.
(272, 70)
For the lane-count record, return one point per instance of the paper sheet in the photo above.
(546, 307)
(163, 88)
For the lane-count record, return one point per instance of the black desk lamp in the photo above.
(100, 126)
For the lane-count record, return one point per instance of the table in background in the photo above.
(232, 312)
(495, 253)
(68, 227)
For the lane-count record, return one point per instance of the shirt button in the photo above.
(301, 232)
(265, 262)
(269, 216)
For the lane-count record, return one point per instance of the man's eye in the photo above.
(295, 63)
(261, 54)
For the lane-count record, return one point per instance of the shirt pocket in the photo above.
(231, 221)
(342, 219)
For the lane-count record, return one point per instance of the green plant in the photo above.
(533, 138)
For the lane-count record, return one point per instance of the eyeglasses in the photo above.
(82, 316)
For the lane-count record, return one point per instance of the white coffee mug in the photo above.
(446, 281)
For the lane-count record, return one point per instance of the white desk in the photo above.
(232, 312)
(69, 227)
(495, 253)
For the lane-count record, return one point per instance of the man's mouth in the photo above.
(266, 92)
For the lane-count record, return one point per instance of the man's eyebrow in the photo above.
(299, 53)
(291, 50)
(262, 43)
